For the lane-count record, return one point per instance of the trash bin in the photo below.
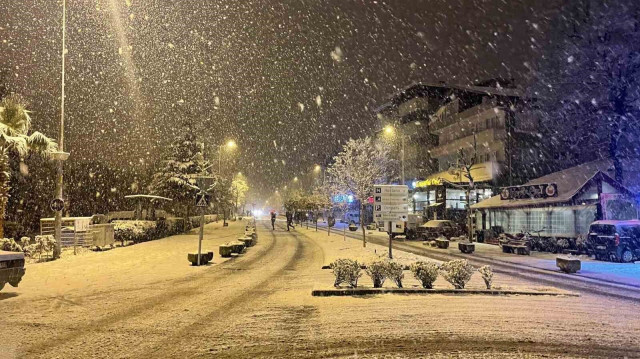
(103, 234)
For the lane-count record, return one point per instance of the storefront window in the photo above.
(562, 222)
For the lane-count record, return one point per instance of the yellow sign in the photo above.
(429, 182)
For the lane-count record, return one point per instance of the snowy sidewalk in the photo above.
(127, 267)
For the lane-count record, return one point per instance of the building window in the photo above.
(562, 222)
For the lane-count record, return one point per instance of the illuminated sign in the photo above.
(343, 198)
(544, 190)
(429, 182)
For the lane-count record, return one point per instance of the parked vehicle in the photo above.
(351, 217)
(436, 228)
(615, 240)
(413, 222)
(11, 268)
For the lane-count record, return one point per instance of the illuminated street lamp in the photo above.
(295, 179)
(391, 131)
(230, 145)
(61, 155)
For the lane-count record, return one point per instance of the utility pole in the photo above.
(60, 157)
(402, 139)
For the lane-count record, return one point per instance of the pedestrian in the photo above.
(289, 220)
(273, 220)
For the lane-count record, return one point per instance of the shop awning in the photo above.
(482, 172)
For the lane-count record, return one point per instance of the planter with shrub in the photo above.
(425, 272)
(457, 272)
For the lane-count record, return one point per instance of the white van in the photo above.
(351, 216)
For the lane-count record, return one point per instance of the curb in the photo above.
(374, 291)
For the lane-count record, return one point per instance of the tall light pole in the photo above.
(318, 169)
(231, 144)
(390, 130)
(60, 156)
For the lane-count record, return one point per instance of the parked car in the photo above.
(615, 240)
(11, 268)
(436, 228)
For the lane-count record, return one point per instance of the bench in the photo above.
(568, 265)
(204, 258)
(466, 247)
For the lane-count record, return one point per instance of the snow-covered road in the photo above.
(259, 305)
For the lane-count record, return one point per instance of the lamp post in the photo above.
(390, 130)
(60, 156)
(318, 169)
(231, 144)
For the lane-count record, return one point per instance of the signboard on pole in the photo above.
(390, 203)
(57, 204)
(203, 199)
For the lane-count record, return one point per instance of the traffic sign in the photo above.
(203, 199)
(390, 203)
(390, 217)
(57, 204)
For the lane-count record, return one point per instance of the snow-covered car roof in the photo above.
(7, 256)
(435, 223)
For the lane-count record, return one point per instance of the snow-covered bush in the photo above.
(9, 244)
(395, 273)
(25, 241)
(487, 275)
(378, 272)
(135, 231)
(43, 244)
(457, 272)
(346, 271)
(425, 272)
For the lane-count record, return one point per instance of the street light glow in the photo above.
(231, 144)
(295, 179)
(317, 168)
(388, 129)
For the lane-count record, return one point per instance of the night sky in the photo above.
(288, 80)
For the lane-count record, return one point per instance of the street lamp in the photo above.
(230, 145)
(61, 155)
(391, 131)
(295, 179)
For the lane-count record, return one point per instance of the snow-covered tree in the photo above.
(589, 88)
(361, 164)
(15, 125)
(239, 188)
(176, 179)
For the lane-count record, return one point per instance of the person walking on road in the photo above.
(273, 220)
(289, 220)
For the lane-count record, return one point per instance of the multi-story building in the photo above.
(446, 124)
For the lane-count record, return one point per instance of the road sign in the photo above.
(57, 204)
(203, 199)
(390, 203)
(389, 217)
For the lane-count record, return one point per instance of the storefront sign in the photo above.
(529, 192)
(429, 182)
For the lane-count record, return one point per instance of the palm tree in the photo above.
(15, 123)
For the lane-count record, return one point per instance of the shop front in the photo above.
(560, 205)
